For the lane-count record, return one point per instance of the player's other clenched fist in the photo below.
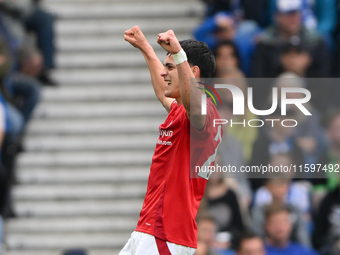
(169, 42)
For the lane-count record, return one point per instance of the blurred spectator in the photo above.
(288, 29)
(203, 249)
(206, 233)
(335, 249)
(30, 62)
(20, 91)
(295, 59)
(257, 11)
(231, 150)
(275, 139)
(223, 27)
(332, 155)
(327, 220)
(223, 205)
(230, 6)
(20, 95)
(227, 58)
(249, 244)
(294, 193)
(246, 135)
(337, 41)
(42, 24)
(278, 188)
(318, 14)
(237, 143)
(308, 134)
(278, 225)
(23, 15)
(241, 9)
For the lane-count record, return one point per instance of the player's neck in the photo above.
(179, 100)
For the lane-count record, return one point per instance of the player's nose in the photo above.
(164, 73)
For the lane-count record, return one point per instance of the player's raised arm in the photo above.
(169, 42)
(137, 39)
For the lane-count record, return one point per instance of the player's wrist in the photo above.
(180, 57)
(146, 49)
(145, 46)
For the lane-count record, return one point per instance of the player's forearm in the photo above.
(190, 95)
(155, 68)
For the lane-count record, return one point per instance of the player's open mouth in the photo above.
(168, 83)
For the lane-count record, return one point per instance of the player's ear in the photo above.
(196, 71)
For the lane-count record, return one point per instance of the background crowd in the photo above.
(286, 43)
(26, 58)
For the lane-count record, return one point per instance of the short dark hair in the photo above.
(248, 234)
(274, 208)
(231, 44)
(199, 54)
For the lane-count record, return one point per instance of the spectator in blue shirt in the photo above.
(319, 15)
(278, 228)
(224, 27)
(214, 243)
(289, 29)
(249, 244)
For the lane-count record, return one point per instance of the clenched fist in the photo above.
(136, 38)
(169, 42)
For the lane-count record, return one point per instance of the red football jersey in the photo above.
(174, 193)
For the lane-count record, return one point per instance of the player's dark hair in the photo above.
(199, 54)
(248, 234)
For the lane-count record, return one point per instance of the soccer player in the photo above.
(187, 139)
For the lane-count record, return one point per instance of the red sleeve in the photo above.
(173, 104)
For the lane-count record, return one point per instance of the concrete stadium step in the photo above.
(100, 93)
(98, 43)
(102, 76)
(91, 158)
(80, 191)
(70, 225)
(59, 252)
(112, 26)
(102, 175)
(159, 9)
(98, 109)
(66, 241)
(90, 143)
(119, 125)
(102, 59)
(72, 208)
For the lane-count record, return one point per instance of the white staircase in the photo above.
(83, 175)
